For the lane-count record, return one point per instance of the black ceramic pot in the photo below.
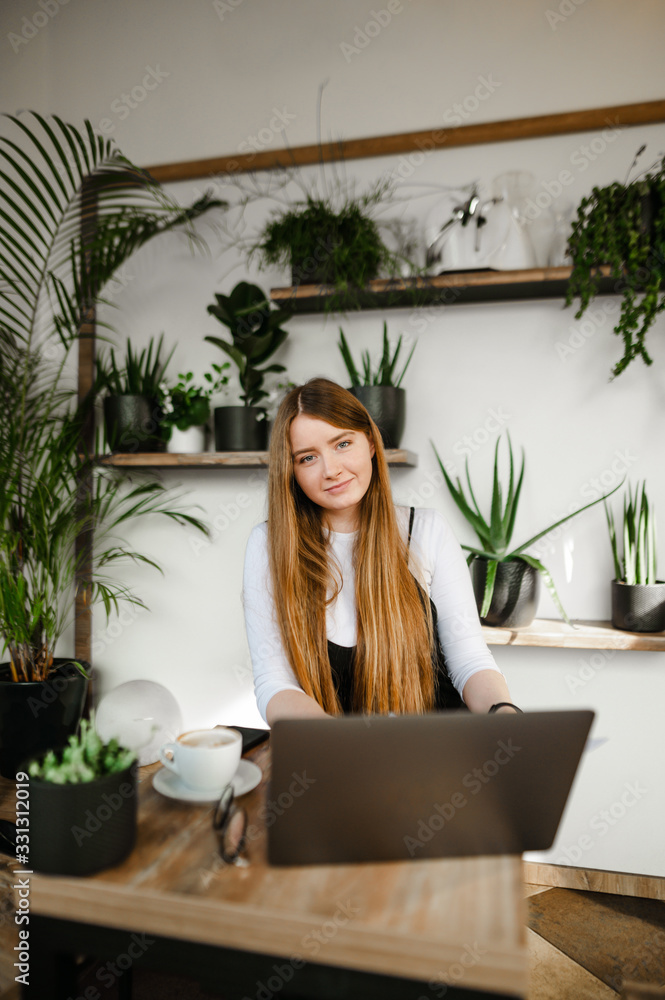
(39, 715)
(132, 424)
(515, 598)
(638, 607)
(80, 829)
(240, 428)
(386, 406)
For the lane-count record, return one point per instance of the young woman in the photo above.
(351, 603)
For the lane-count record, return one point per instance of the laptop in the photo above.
(448, 784)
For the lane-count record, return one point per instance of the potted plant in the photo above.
(379, 388)
(327, 240)
(82, 805)
(622, 227)
(256, 333)
(60, 511)
(320, 226)
(132, 396)
(186, 410)
(638, 596)
(505, 580)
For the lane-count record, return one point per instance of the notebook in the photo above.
(448, 784)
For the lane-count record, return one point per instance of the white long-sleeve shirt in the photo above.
(439, 565)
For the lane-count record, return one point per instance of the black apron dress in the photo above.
(342, 662)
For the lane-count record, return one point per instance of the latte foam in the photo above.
(208, 738)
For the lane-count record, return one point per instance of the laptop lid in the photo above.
(383, 788)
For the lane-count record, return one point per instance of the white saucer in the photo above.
(168, 783)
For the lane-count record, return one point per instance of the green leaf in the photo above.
(525, 545)
(549, 583)
(457, 493)
(348, 360)
(488, 593)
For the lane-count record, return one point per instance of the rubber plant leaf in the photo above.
(232, 351)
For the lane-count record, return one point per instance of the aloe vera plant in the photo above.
(638, 565)
(385, 372)
(495, 534)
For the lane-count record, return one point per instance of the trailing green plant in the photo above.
(384, 373)
(637, 565)
(186, 404)
(621, 227)
(495, 533)
(61, 513)
(85, 758)
(139, 375)
(256, 333)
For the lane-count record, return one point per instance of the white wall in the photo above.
(218, 72)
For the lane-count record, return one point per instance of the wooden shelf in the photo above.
(566, 123)
(224, 459)
(585, 635)
(442, 290)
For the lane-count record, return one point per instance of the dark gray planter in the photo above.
(39, 715)
(81, 829)
(638, 607)
(515, 598)
(132, 424)
(386, 406)
(240, 428)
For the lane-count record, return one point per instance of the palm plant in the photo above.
(495, 534)
(638, 564)
(73, 209)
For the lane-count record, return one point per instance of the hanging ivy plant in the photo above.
(622, 227)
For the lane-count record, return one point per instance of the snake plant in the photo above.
(638, 564)
(495, 533)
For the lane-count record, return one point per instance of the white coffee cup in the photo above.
(204, 759)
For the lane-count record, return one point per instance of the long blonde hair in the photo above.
(393, 661)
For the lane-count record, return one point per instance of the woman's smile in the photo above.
(338, 487)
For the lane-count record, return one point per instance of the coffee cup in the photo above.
(204, 759)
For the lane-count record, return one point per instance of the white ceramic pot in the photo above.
(189, 442)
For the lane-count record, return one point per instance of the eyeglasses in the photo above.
(230, 825)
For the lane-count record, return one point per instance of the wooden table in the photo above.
(390, 930)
